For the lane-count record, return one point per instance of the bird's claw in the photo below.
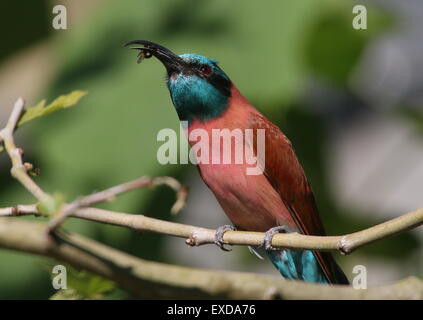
(218, 237)
(268, 236)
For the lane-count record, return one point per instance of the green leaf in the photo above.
(59, 103)
(83, 285)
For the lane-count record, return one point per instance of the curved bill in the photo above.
(171, 61)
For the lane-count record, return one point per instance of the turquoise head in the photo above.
(199, 89)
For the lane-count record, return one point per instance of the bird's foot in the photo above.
(267, 241)
(218, 237)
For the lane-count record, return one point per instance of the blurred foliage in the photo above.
(414, 115)
(334, 45)
(270, 50)
(29, 21)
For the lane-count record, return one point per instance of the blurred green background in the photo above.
(271, 50)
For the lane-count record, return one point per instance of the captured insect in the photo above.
(150, 49)
(143, 54)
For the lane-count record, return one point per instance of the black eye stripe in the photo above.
(205, 69)
(219, 82)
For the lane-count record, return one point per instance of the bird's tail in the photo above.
(303, 265)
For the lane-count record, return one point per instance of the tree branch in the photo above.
(19, 169)
(146, 279)
(196, 236)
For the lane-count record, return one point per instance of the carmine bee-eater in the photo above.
(279, 199)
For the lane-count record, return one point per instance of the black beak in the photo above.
(171, 61)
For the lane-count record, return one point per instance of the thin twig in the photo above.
(19, 170)
(111, 193)
(180, 189)
(20, 210)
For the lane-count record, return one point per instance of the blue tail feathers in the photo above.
(297, 265)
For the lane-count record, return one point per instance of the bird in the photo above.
(278, 199)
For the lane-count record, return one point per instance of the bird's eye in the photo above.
(205, 69)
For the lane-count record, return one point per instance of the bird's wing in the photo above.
(286, 175)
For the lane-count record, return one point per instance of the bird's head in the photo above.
(198, 87)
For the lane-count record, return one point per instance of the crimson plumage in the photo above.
(281, 196)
